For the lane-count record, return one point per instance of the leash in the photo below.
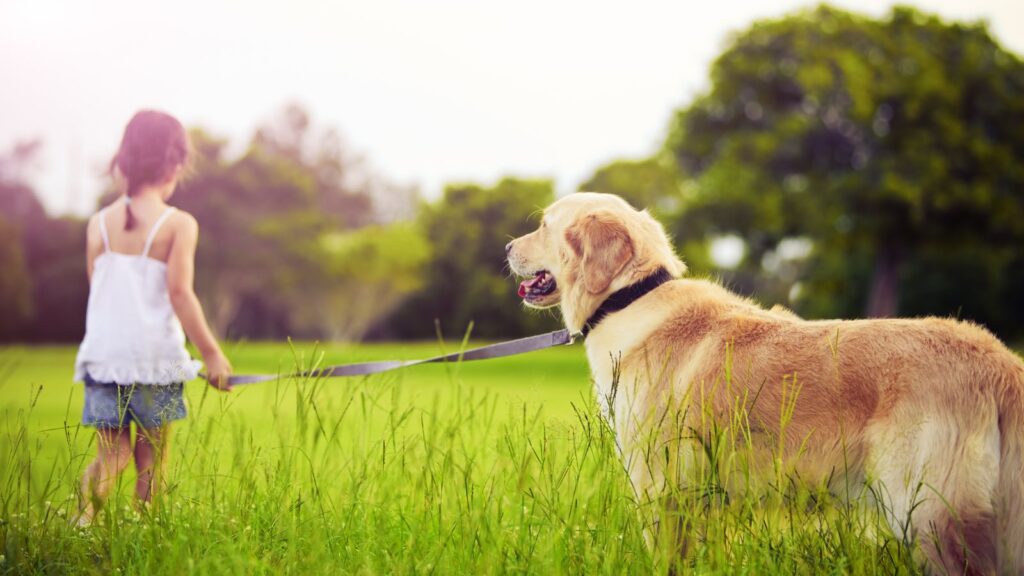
(499, 350)
(617, 301)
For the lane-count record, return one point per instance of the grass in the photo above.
(493, 467)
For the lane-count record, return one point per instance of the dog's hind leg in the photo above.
(936, 478)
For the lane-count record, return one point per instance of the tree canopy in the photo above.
(882, 141)
(467, 280)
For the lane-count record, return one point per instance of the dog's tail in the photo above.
(1011, 475)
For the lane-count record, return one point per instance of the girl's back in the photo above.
(133, 241)
(132, 331)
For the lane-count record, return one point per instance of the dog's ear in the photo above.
(603, 246)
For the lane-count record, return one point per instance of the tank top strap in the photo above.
(103, 230)
(156, 226)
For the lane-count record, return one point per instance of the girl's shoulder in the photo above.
(93, 228)
(182, 226)
(183, 221)
(104, 213)
(94, 220)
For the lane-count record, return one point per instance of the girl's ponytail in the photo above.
(122, 162)
(129, 218)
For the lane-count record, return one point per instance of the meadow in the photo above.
(501, 466)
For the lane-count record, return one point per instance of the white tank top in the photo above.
(132, 334)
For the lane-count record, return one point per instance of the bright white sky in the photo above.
(430, 91)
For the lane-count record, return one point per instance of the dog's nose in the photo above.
(508, 247)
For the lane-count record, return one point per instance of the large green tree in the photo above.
(466, 280)
(259, 228)
(280, 256)
(367, 273)
(880, 140)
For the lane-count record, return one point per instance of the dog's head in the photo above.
(588, 246)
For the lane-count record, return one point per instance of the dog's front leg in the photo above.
(660, 470)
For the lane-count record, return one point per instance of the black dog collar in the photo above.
(624, 297)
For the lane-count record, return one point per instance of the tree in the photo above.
(18, 202)
(651, 183)
(368, 273)
(874, 138)
(348, 190)
(260, 226)
(21, 215)
(43, 262)
(15, 284)
(466, 279)
(278, 255)
(55, 258)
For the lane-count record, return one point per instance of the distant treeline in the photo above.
(857, 167)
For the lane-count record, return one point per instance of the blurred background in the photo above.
(361, 165)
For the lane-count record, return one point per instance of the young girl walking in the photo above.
(133, 361)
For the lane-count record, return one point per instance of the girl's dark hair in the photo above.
(153, 146)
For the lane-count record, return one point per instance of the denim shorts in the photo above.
(109, 405)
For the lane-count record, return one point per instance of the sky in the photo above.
(428, 92)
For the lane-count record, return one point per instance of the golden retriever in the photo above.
(925, 413)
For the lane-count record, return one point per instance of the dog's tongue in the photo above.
(525, 285)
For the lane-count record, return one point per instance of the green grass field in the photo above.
(489, 467)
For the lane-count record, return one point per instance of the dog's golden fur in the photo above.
(928, 412)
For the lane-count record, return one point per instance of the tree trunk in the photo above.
(884, 297)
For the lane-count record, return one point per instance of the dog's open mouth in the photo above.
(536, 288)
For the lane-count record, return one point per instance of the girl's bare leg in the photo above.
(151, 447)
(113, 451)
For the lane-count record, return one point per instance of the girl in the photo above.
(140, 254)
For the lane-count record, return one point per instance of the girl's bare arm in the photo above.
(180, 277)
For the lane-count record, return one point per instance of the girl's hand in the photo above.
(218, 369)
